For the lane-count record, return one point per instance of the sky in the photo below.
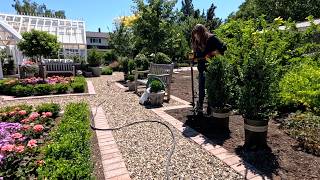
(101, 13)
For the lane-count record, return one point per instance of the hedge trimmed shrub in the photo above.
(49, 107)
(21, 91)
(156, 86)
(61, 88)
(107, 71)
(142, 62)
(68, 154)
(43, 89)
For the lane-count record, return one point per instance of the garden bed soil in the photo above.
(284, 159)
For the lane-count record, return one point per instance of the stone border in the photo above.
(231, 159)
(91, 91)
(113, 164)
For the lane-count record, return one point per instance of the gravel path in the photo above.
(144, 147)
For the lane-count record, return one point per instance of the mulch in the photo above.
(284, 160)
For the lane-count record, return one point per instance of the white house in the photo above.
(98, 40)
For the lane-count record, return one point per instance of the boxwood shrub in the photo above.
(21, 91)
(43, 89)
(48, 107)
(68, 154)
(61, 88)
(107, 71)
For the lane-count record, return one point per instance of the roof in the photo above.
(303, 25)
(96, 34)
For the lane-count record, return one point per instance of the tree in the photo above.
(153, 28)
(39, 44)
(187, 8)
(212, 21)
(33, 8)
(297, 10)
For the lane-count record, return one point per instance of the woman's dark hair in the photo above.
(199, 37)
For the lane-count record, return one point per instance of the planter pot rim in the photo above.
(160, 92)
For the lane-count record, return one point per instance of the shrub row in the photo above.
(107, 71)
(21, 90)
(68, 154)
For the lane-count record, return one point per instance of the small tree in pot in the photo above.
(156, 92)
(95, 60)
(255, 98)
(130, 82)
(218, 90)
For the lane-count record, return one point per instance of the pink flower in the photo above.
(32, 143)
(8, 147)
(25, 121)
(38, 128)
(19, 149)
(34, 115)
(22, 112)
(26, 127)
(12, 113)
(16, 135)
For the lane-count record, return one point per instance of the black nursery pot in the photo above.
(255, 134)
(221, 117)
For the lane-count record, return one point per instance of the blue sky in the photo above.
(100, 13)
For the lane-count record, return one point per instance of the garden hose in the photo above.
(169, 156)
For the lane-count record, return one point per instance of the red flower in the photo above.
(32, 143)
(22, 112)
(26, 127)
(48, 114)
(25, 121)
(8, 147)
(34, 115)
(19, 149)
(38, 128)
(16, 135)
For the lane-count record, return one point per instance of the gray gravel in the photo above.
(145, 146)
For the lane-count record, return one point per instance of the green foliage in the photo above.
(161, 58)
(305, 128)
(48, 107)
(109, 56)
(94, 58)
(61, 88)
(122, 40)
(68, 156)
(123, 61)
(39, 44)
(295, 9)
(107, 71)
(156, 86)
(130, 77)
(301, 86)
(43, 89)
(142, 62)
(217, 82)
(131, 65)
(79, 84)
(22, 91)
(115, 66)
(33, 8)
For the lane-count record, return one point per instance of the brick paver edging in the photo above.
(231, 159)
(113, 164)
(91, 91)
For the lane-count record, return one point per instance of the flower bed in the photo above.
(23, 131)
(37, 86)
(35, 146)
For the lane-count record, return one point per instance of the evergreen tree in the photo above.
(187, 8)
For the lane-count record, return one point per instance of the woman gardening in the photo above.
(204, 45)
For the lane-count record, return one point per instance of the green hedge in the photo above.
(301, 86)
(68, 154)
(107, 71)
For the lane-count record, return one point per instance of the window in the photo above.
(95, 40)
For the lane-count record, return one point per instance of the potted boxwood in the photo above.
(255, 98)
(156, 92)
(130, 82)
(218, 91)
(94, 61)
